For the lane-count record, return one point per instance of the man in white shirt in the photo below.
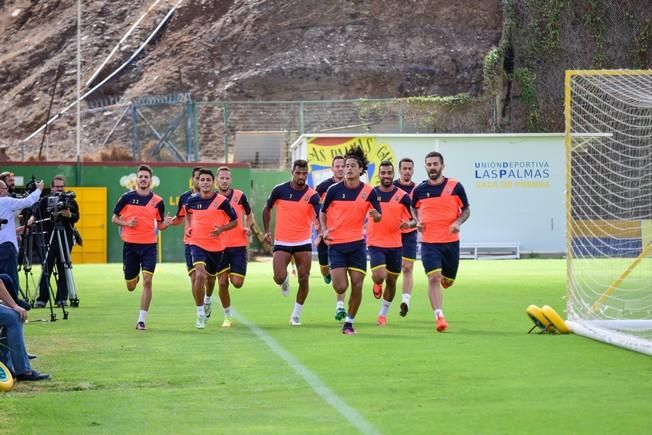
(8, 241)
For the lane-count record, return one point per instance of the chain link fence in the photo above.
(176, 128)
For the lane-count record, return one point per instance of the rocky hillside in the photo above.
(309, 50)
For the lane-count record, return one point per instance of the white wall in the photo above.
(515, 182)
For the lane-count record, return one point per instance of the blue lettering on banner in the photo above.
(516, 169)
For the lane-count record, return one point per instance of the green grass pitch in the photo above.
(486, 375)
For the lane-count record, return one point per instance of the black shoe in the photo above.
(40, 304)
(32, 376)
(62, 303)
(31, 356)
(404, 309)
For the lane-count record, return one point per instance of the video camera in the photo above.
(57, 202)
(31, 185)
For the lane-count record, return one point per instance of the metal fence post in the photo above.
(226, 132)
(195, 129)
(134, 131)
(189, 133)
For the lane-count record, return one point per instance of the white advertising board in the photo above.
(514, 182)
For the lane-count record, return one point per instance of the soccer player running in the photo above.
(180, 217)
(337, 166)
(139, 214)
(234, 262)
(297, 206)
(442, 207)
(384, 237)
(342, 220)
(209, 215)
(408, 236)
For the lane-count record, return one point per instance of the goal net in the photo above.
(609, 206)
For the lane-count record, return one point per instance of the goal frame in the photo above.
(601, 330)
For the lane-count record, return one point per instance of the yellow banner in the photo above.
(322, 150)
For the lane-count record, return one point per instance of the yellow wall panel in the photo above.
(92, 225)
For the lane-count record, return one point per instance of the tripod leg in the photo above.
(57, 232)
(62, 303)
(52, 271)
(24, 293)
(47, 254)
(64, 250)
(25, 256)
(27, 266)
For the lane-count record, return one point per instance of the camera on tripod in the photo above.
(31, 185)
(52, 232)
(57, 202)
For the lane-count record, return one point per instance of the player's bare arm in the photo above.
(455, 226)
(413, 222)
(267, 215)
(219, 229)
(131, 223)
(249, 221)
(173, 220)
(322, 224)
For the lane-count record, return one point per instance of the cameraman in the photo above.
(61, 207)
(8, 242)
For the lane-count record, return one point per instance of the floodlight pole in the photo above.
(78, 140)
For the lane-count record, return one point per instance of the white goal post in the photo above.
(608, 116)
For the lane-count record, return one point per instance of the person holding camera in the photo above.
(58, 207)
(8, 241)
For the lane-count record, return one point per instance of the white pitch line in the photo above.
(311, 378)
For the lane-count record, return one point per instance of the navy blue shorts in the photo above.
(409, 241)
(292, 249)
(137, 256)
(211, 260)
(322, 253)
(235, 261)
(441, 256)
(188, 254)
(349, 255)
(389, 258)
